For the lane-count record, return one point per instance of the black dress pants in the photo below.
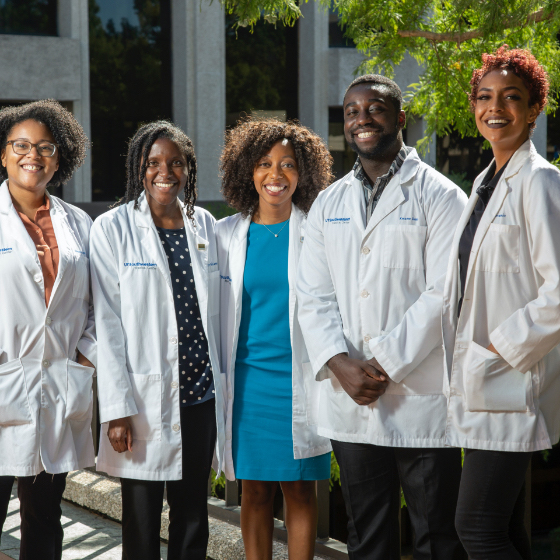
(6, 484)
(142, 500)
(41, 530)
(491, 508)
(371, 477)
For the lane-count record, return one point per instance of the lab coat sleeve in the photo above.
(404, 348)
(525, 337)
(87, 345)
(116, 399)
(318, 313)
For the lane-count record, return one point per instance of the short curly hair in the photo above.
(524, 65)
(250, 140)
(392, 88)
(139, 147)
(68, 134)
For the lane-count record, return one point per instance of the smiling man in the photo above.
(369, 286)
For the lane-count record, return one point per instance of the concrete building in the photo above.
(58, 66)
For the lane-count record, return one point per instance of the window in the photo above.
(130, 82)
(32, 17)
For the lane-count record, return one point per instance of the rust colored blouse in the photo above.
(41, 232)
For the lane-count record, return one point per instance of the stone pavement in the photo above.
(87, 536)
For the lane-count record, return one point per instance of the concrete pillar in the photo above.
(314, 68)
(415, 131)
(539, 136)
(199, 84)
(73, 23)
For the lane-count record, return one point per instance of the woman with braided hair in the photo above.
(161, 395)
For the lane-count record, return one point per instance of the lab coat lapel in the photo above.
(149, 237)
(66, 245)
(198, 250)
(237, 256)
(355, 202)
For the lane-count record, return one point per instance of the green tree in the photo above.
(446, 37)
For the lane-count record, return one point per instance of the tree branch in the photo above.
(458, 37)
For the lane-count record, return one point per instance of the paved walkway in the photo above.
(87, 536)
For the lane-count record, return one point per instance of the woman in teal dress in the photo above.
(272, 172)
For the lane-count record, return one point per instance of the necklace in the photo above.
(276, 234)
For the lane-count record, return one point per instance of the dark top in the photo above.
(484, 191)
(197, 382)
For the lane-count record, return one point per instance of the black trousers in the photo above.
(41, 530)
(142, 500)
(6, 484)
(491, 507)
(371, 477)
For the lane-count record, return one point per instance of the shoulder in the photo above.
(114, 219)
(203, 217)
(434, 182)
(538, 170)
(77, 214)
(226, 226)
(334, 191)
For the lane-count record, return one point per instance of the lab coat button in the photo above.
(46, 363)
(49, 320)
(367, 338)
(174, 385)
(365, 251)
(173, 340)
(365, 293)
(176, 427)
(37, 278)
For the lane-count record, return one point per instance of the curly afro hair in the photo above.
(524, 65)
(139, 147)
(68, 134)
(250, 140)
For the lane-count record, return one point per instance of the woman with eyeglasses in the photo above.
(47, 334)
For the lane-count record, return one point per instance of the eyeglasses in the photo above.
(23, 147)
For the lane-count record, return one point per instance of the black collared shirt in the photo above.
(195, 370)
(484, 191)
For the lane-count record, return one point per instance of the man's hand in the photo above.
(120, 434)
(83, 361)
(377, 366)
(361, 380)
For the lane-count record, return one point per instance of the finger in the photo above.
(373, 372)
(129, 438)
(364, 401)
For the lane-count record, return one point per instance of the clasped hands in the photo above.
(364, 381)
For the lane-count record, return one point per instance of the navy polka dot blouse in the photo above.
(195, 370)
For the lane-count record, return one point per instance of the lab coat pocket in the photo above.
(146, 389)
(79, 395)
(312, 390)
(81, 277)
(499, 251)
(492, 385)
(404, 246)
(14, 402)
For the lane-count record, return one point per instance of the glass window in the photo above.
(130, 82)
(336, 32)
(261, 71)
(343, 155)
(32, 17)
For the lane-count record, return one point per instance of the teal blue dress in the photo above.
(262, 443)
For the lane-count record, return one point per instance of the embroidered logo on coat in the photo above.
(337, 220)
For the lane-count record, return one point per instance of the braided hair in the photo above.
(139, 148)
(67, 132)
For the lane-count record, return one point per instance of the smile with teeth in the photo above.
(29, 167)
(275, 188)
(497, 121)
(163, 185)
(366, 134)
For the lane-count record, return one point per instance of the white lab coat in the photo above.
(231, 237)
(512, 300)
(46, 398)
(371, 292)
(138, 368)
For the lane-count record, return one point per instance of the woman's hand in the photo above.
(83, 361)
(120, 434)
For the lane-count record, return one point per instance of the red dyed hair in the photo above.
(524, 65)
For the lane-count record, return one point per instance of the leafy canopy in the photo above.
(446, 37)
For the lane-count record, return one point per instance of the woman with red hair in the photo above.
(501, 311)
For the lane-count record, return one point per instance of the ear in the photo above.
(401, 119)
(534, 112)
(3, 157)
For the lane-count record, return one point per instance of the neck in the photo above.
(168, 216)
(268, 214)
(26, 201)
(374, 168)
(503, 155)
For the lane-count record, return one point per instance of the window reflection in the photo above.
(32, 17)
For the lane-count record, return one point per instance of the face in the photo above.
(502, 111)
(276, 175)
(371, 122)
(31, 172)
(166, 174)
